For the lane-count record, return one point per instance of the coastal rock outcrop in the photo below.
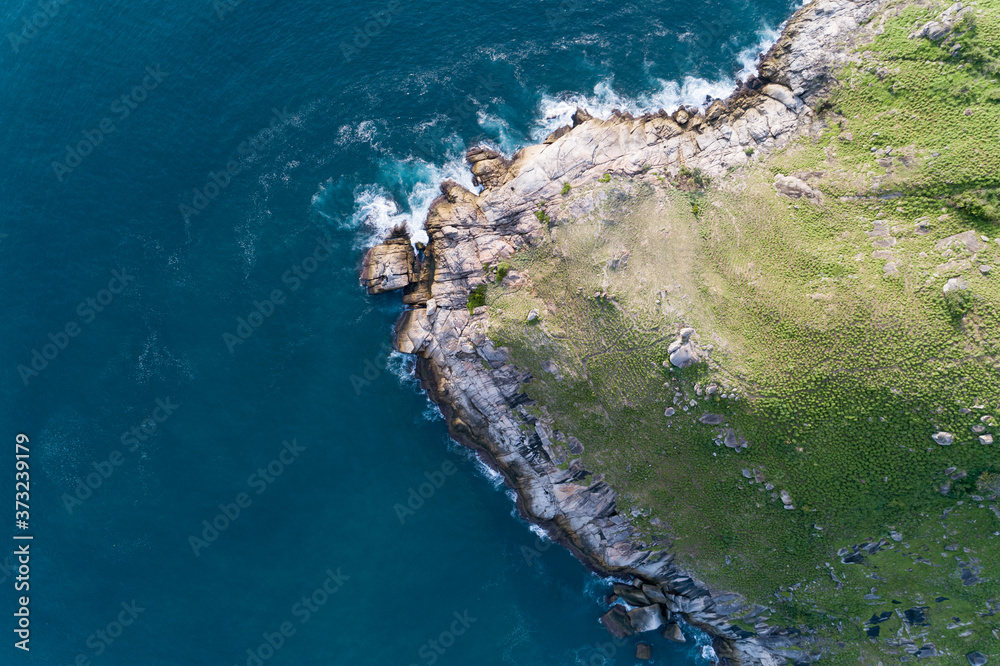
(389, 265)
(480, 390)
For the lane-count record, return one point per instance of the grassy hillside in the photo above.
(830, 345)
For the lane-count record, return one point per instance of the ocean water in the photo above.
(227, 463)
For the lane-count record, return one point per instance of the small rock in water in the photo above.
(672, 632)
(643, 651)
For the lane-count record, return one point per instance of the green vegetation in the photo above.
(831, 344)
(606, 178)
(477, 297)
(502, 269)
(565, 189)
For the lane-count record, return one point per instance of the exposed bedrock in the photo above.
(480, 390)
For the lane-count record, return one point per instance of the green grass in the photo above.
(841, 370)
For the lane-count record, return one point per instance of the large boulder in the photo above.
(633, 596)
(943, 438)
(976, 658)
(684, 356)
(672, 632)
(389, 265)
(489, 167)
(794, 188)
(617, 622)
(646, 618)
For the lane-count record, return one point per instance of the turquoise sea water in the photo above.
(221, 445)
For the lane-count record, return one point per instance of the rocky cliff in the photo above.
(480, 390)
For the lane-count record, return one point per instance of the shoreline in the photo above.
(478, 389)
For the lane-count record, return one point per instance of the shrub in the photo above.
(988, 484)
(565, 189)
(477, 297)
(502, 269)
(606, 178)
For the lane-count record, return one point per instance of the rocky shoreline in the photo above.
(479, 389)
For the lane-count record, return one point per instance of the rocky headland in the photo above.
(480, 390)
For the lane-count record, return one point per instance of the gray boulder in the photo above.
(654, 594)
(672, 632)
(955, 284)
(976, 658)
(633, 596)
(943, 438)
(616, 621)
(794, 188)
(388, 266)
(685, 356)
(646, 618)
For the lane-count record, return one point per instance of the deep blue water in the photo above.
(166, 168)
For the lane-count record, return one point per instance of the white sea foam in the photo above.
(377, 211)
(499, 130)
(539, 532)
(703, 652)
(401, 367)
(493, 476)
(556, 111)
